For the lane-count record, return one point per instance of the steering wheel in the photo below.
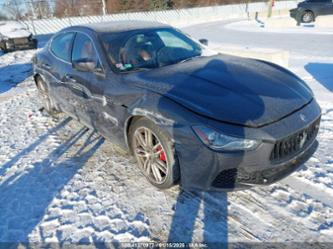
(163, 56)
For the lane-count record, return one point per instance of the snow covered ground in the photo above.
(281, 25)
(60, 182)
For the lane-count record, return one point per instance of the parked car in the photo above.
(188, 115)
(307, 11)
(14, 36)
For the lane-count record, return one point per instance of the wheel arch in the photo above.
(36, 77)
(133, 119)
(154, 108)
(130, 121)
(40, 76)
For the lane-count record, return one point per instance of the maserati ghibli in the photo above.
(188, 115)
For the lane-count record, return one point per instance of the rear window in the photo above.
(61, 46)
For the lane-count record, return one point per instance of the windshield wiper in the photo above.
(138, 69)
(189, 59)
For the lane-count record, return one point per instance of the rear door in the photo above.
(57, 67)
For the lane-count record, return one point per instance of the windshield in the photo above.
(146, 49)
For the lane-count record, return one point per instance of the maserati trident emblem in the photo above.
(303, 139)
(303, 117)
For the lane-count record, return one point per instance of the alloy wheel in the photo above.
(308, 17)
(150, 155)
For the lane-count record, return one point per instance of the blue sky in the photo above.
(22, 5)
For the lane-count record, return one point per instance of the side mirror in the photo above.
(84, 65)
(204, 42)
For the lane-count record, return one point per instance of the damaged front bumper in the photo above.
(292, 143)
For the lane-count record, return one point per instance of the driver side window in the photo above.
(84, 50)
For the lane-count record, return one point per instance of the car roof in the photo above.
(121, 26)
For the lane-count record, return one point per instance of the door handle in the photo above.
(85, 94)
(83, 91)
(47, 66)
(70, 78)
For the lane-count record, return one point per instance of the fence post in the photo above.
(69, 21)
(33, 26)
(270, 7)
(104, 7)
(247, 10)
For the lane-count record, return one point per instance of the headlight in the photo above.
(221, 142)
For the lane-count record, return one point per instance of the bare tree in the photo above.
(13, 8)
(79, 7)
(63, 8)
(3, 17)
(104, 9)
(39, 9)
(270, 8)
(97, 7)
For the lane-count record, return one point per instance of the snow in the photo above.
(11, 29)
(292, 28)
(61, 182)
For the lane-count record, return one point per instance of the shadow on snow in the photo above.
(214, 204)
(25, 197)
(13, 74)
(322, 72)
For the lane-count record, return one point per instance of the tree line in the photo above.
(38, 9)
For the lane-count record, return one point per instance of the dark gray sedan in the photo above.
(308, 10)
(189, 115)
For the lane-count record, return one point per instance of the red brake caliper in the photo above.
(162, 153)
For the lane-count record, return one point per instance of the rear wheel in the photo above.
(154, 153)
(44, 94)
(308, 17)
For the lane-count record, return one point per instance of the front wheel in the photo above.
(154, 153)
(308, 17)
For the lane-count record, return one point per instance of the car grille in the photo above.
(292, 145)
(226, 179)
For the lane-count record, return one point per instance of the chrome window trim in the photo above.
(92, 41)
(71, 53)
(50, 45)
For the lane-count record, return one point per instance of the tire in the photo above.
(3, 47)
(308, 17)
(150, 158)
(9, 47)
(48, 105)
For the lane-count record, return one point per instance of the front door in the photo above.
(329, 7)
(80, 79)
(323, 7)
(93, 106)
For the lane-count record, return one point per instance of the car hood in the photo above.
(230, 89)
(13, 30)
